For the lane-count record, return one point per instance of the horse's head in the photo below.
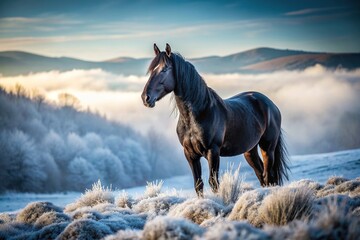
(161, 80)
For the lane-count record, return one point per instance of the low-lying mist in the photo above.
(320, 107)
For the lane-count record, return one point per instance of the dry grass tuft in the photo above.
(124, 200)
(34, 210)
(285, 205)
(348, 187)
(326, 191)
(7, 218)
(230, 186)
(96, 195)
(307, 183)
(85, 229)
(246, 208)
(51, 218)
(153, 189)
(336, 180)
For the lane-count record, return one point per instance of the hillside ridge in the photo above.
(255, 60)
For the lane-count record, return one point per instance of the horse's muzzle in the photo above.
(148, 101)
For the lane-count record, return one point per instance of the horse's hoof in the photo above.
(200, 194)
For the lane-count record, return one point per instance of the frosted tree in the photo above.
(69, 100)
(22, 167)
(81, 174)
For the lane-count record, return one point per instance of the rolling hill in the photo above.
(254, 61)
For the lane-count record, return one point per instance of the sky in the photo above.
(101, 30)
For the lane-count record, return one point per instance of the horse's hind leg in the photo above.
(213, 157)
(252, 157)
(268, 153)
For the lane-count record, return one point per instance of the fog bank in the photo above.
(320, 107)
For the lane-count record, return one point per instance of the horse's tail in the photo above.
(281, 167)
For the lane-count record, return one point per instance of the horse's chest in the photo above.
(192, 138)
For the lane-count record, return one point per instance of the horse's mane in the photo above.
(190, 85)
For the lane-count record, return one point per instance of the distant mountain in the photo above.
(15, 63)
(255, 61)
(235, 62)
(302, 61)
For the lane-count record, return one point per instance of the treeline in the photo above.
(49, 148)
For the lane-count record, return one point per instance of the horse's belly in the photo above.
(228, 149)
(234, 145)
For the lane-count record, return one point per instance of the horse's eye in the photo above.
(164, 70)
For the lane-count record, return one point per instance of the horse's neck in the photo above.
(193, 98)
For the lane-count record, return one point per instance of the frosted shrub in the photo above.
(335, 180)
(296, 230)
(98, 194)
(306, 183)
(86, 213)
(9, 230)
(352, 187)
(34, 210)
(6, 218)
(109, 208)
(326, 190)
(85, 230)
(157, 205)
(124, 200)
(153, 188)
(51, 218)
(332, 221)
(234, 231)
(336, 222)
(170, 228)
(247, 207)
(49, 232)
(285, 205)
(115, 223)
(343, 202)
(197, 210)
(230, 186)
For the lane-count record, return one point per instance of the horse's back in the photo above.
(256, 102)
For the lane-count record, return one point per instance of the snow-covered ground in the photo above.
(317, 167)
(306, 208)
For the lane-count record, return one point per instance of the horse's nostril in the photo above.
(147, 98)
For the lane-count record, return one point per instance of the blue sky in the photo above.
(99, 30)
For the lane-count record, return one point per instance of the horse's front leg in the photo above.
(195, 165)
(213, 157)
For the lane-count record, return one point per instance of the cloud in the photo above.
(75, 31)
(320, 108)
(303, 11)
(308, 11)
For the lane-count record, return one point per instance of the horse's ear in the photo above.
(156, 49)
(168, 50)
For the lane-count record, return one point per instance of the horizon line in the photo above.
(193, 58)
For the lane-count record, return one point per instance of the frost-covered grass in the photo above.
(98, 194)
(303, 209)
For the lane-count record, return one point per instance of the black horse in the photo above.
(211, 127)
